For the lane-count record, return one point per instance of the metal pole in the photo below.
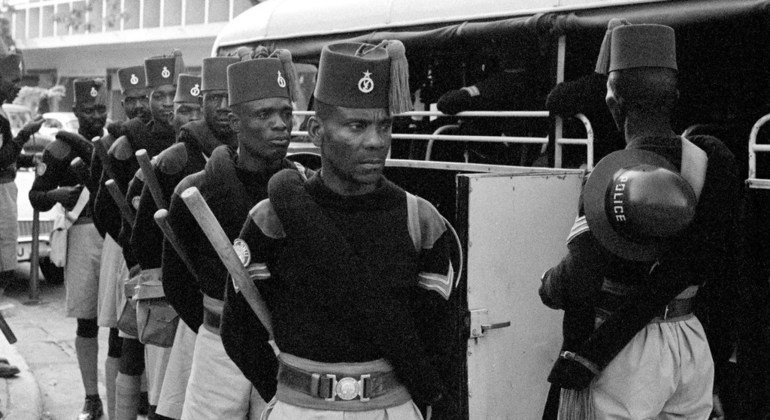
(34, 265)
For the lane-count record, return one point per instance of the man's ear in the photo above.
(315, 131)
(235, 122)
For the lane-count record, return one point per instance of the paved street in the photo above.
(47, 343)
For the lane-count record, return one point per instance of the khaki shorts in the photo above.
(81, 273)
(664, 372)
(217, 389)
(111, 268)
(177, 373)
(278, 410)
(9, 226)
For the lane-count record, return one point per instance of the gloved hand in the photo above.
(569, 373)
(454, 101)
(28, 130)
(81, 146)
(67, 196)
(115, 129)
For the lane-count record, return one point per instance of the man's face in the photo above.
(264, 128)
(162, 104)
(216, 112)
(91, 117)
(354, 144)
(137, 104)
(9, 88)
(184, 113)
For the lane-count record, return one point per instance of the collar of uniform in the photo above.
(387, 195)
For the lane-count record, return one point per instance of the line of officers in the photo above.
(342, 309)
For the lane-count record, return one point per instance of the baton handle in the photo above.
(221, 243)
(120, 200)
(161, 219)
(150, 179)
(7, 331)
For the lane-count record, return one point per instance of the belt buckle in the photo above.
(347, 388)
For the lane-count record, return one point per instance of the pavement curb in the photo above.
(21, 398)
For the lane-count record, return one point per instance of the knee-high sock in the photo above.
(87, 350)
(144, 380)
(127, 396)
(110, 374)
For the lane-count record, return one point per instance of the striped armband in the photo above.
(580, 226)
(439, 283)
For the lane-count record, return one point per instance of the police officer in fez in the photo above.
(161, 78)
(10, 150)
(58, 182)
(195, 142)
(260, 91)
(654, 229)
(186, 108)
(342, 272)
(107, 221)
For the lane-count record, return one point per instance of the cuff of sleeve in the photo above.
(472, 90)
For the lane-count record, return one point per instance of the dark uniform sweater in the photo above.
(230, 192)
(54, 171)
(346, 292)
(187, 156)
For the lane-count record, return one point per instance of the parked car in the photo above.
(19, 115)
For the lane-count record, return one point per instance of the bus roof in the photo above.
(304, 26)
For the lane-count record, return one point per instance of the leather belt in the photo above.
(212, 320)
(676, 308)
(333, 387)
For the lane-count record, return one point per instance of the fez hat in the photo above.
(634, 200)
(356, 75)
(634, 46)
(132, 79)
(188, 89)
(603, 60)
(90, 92)
(11, 67)
(163, 70)
(214, 73)
(259, 78)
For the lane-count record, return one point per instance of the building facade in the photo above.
(64, 39)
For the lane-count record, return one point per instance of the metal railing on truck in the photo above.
(753, 181)
(438, 135)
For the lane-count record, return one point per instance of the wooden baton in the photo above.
(160, 218)
(7, 331)
(150, 179)
(120, 200)
(219, 240)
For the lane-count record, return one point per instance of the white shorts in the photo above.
(9, 226)
(177, 372)
(664, 372)
(278, 410)
(81, 273)
(111, 269)
(217, 389)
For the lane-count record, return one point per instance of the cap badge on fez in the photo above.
(196, 90)
(134, 80)
(281, 81)
(366, 84)
(165, 73)
(94, 92)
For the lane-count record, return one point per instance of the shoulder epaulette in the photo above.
(59, 149)
(172, 160)
(264, 216)
(432, 224)
(121, 149)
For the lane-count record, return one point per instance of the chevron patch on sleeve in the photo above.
(580, 226)
(439, 283)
